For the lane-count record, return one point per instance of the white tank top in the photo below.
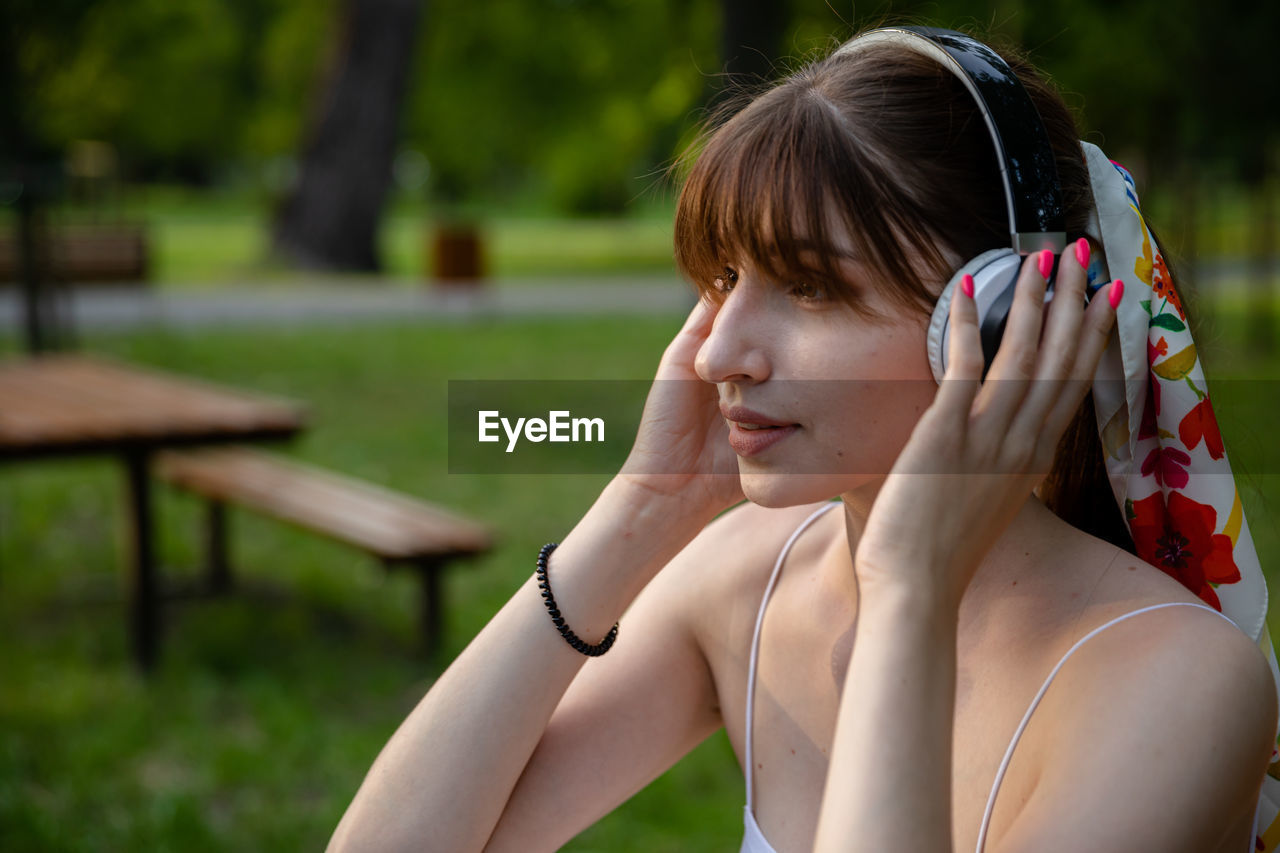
(753, 840)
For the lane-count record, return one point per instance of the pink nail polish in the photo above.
(1116, 293)
(1082, 252)
(966, 284)
(1046, 264)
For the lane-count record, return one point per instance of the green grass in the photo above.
(270, 705)
(204, 240)
(207, 251)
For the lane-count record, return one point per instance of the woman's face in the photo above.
(849, 390)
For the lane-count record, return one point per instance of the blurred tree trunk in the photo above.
(330, 218)
(751, 40)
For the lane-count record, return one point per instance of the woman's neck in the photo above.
(1028, 537)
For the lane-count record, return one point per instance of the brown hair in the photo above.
(888, 147)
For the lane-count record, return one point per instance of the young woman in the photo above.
(876, 661)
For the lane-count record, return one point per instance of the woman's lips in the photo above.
(751, 432)
(749, 442)
(743, 415)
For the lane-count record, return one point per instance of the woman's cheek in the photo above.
(864, 424)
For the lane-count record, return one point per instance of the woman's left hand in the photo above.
(980, 449)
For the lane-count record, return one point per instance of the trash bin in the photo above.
(457, 254)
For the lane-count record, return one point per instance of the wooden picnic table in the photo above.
(76, 405)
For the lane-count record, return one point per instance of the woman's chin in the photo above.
(781, 489)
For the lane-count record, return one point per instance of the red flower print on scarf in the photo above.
(1162, 284)
(1200, 423)
(1168, 463)
(1151, 408)
(1179, 540)
(1161, 347)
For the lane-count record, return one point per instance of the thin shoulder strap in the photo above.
(1008, 754)
(755, 641)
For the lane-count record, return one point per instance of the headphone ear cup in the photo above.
(995, 273)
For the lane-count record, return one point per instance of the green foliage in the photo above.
(197, 82)
(580, 102)
(580, 105)
(284, 74)
(151, 75)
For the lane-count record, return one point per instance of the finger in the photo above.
(678, 359)
(1096, 330)
(1060, 343)
(701, 315)
(696, 328)
(1015, 361)
(963, 377)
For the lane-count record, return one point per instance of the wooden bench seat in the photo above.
(85, 253)
(395, 528)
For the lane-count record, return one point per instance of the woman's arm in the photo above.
(447, 773)
(987, 442)
(889, 783)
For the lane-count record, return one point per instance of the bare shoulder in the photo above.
(1156, 639)
(1160, 646)
(1188, 634)
(1162, 728)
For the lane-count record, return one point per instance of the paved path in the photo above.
(246, 304)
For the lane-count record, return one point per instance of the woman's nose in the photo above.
(735, 350)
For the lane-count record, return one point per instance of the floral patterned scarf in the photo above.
(1170, 474)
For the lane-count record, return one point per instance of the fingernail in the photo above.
(1046, 264)
(966, 284)
(1115, 293)
(1082, 252)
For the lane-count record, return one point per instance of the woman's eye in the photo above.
(806, 290)
(726, 280)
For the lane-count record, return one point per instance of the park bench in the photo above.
(397, 529)
(85, 253)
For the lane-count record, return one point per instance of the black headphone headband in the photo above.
(1027, 167)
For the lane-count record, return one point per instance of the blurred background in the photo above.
(348, 203)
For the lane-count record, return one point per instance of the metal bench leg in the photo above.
(431, 611)
(217, 566)
(144, 604)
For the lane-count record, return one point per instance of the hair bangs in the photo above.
(779, 186)
(762, 192)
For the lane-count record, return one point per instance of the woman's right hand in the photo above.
(682, 446)
(446, 776)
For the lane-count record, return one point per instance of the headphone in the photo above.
(1027, 171)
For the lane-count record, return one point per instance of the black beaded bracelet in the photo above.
(558, 620)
